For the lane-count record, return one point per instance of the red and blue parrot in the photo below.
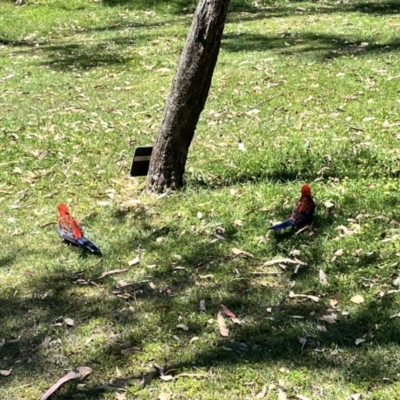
(71, 230)
(302, 212)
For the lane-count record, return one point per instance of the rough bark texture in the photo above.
(188, 95)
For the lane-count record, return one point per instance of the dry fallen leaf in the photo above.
(5, 372)
(322, 278)
(114, 271)
(59, 383)
(359, 341)
(193, 339)
(183, 327)
(130, 202)
(104, 203)
(206, 276)
(282, 395)
(333, 303)
(202, 305)
(263, 392)
(237, 252)
(166, 378)
(355, 396)
(118, 372)
(284, 261)
(130, 350)
(228, 312)
(164, 396)
(357, 299)
(307, 296)
(223, 330)
(82, 372)
(396, 282)
(301, 397)
(330, 319)
(342, 228)
(339, 252)
(135, 261)
(328, 204)
(69, 321)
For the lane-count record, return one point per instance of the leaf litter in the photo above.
(230, 314)
(80, 373)
(357, 299)
(305, 296)
(223, 330)
(202, 305)
(183, 327)
(5, 372)
(322, 278)
(69, 321)
(238, 252)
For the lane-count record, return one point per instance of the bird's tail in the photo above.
(88, 245)
(288, 222)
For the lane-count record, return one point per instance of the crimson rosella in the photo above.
(71, 230)
(302, 212)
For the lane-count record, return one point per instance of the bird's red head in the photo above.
(62, 209)
(305, 190)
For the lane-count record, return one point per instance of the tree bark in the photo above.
(188, 95)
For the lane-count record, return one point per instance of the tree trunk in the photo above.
(188, 95)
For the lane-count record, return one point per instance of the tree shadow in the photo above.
(268, 8)
(115, 50)
(323, 46)
(7, 260)
(387, 7)
(16, 43)
(276, 339)
(178, 6)
(262, 337)
(301, 165)
(76, 56)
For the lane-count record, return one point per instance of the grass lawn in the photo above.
(311, 89)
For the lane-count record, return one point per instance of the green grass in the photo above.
(312, 90)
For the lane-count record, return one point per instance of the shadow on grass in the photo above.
(300, 165)
(381, 8)
(77, 56)
(276, 340)
(271, 8)
(325, 46)
(178, 6)
(5, 261)
(113, 51)
(204, 270)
